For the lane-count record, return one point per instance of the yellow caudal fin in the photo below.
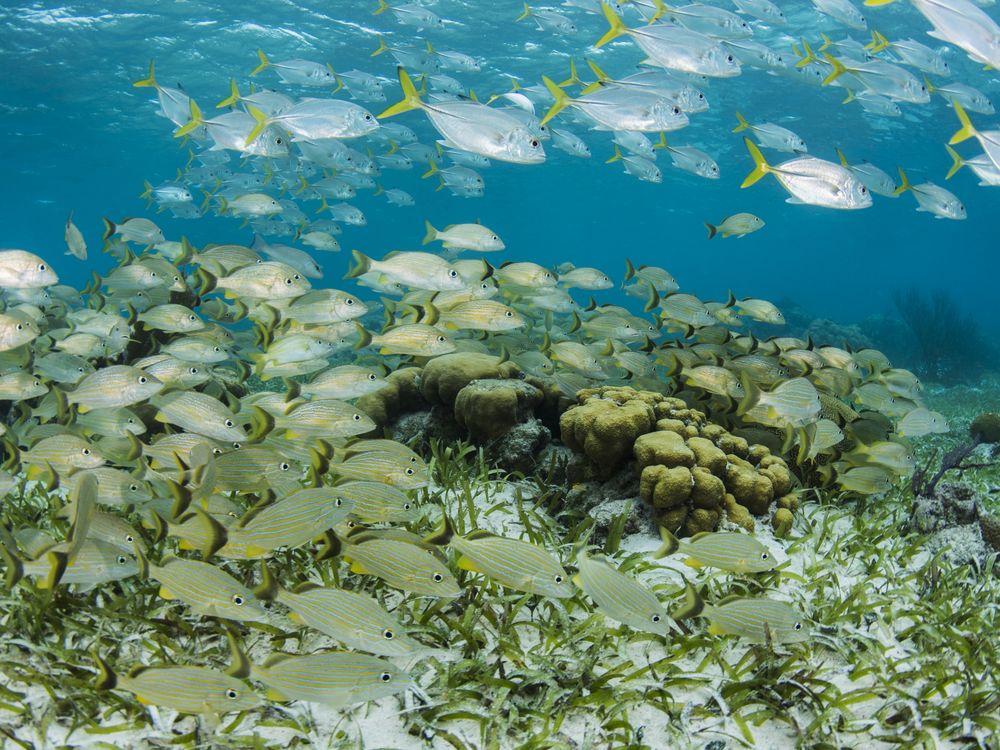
(262, 122)
(602, 78)
(662, 143)
(383, 6)
(150, 81)
(617, 28)
(340, 82)
(234, 96)
(574, 79)
(147, 194)
(562, 101)
(878, 43)
(967, 130)
(196, 121)
(904, 183)
(957, 162)
(808, 56)
(761, 167)
(827, 43)
(849, 98)
(430, 172)
(525, 14)
(264, 63)
(843, 159)
(744, 125)
(876, 3)
(382, 47)
(411, 99)
(661, 10)
(617, 155)
(431, 233)
(931, 88)
(838, 69)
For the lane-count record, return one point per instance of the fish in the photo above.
(732, 551)
(812, 181)
(414, 269)
(755, 619)
(75, 244)
(378, 502)
(356, 620)
(300, 72)
(920, 421)
(620, 597)
(772, 136)
(737, 225)
(465, 237)
(933, 199)
(417, 339)
(205, 588)
(793, 402)
(513, 563)
(290, 522)
(332, 678)
(865, 480)
(20, 269)
(199, 413)
(185, 689)
(401, 564)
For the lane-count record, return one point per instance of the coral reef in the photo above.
(488, 409)
(985, 428)
(443, 377)
(400, 396)
(951, 518)
(692, 472)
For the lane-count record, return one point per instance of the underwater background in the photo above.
(75, 135)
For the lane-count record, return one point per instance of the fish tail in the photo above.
(57, 567)
(761, 167)
(106, 677)
(743, 124)
(967, 130)
(849, 98)
(931, 88)
(109, 229)
(264, 63)
(431, 233)
(268, 588)
(207, 281)
(617, 156)
(843, 159)
(808, 57)
(431, 171)
(827, 42)
(957, 162)
(150, 80)
(411, 98)
(382, 47)
(261, 424)
(262, 122)
(14, 568)
(561, 99)
(712, 230)
(338, 79)
(751, 395)
(234, 96)
(617, 28)
(383, 6)
(878, 42)
(140, 558)
(877, 3)
(653, 299)
(574, 79)
(147, 193)
(662, 143)
(692, 606)
(442, 536)
(364, 337)
(360, 264)
(904, 183)
(525, 14)
(670, 544)
(838, 69)
(196, 120)
(629, 270)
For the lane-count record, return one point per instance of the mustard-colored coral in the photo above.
(443, 377)
(782, 522)
(605, 429)
(666, 448)
(401, 395)
(488, 409)
(665, 487)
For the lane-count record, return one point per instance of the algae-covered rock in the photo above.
(702, 519)
(401, 395)
(737, 513)
(488, 409)
(986, 428)
(751, 490)
(781, 522)
(665, 448)
(707, 490)
(665, 487)
(708, 454)
(605, 429)
(443, 377)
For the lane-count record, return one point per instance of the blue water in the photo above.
(74, 134)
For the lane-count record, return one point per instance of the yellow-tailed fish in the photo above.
(732, 551)
(416, 339)
(415, 270)
(291, 521)
(793, 402)
(513, 563)
(20, 269)
(199, 413)
(920, 421)
(621, 597)
(376, 502)
(400, 564)
(63, 453)
(326, 418)
(16, 331)
(385, 466)
(865, 480)
(465, 237)
(332, 678)
(117, 385)
(263, 281)
(344, 382)
(205, 588)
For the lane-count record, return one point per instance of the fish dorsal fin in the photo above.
(136, 671)
(729, 600)
(479, 534)
(700, 535)
(305, 587)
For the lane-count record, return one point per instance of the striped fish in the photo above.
(794, 403)
(389, 467)
(118, 421)
(376, 502)
(187, 690)
(171, 318)
(920, 421)
(344, 382)
(64, 453)
(117, 385)
(758, 620)
(621, 597)
(290, 522)
(333, 678)
(400, 564)
(114, 486)
(94, 562)
(324, 418)
(356, 620)
(510, 562)
(199, 413)
(245, 469)
(109, 528)
(205, 588)
(416, 339)
(196, 349)
(323, 306)
(175, 372)
(725, 550)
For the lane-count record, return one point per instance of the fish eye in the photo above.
(409, 472)
(452, 274)
(338, 501)
(368, 117)
(534, 143)
(20, 327)
(484, 285)
(438, 578)
(288, 281)
(41, 266)
(152, 274)
(764, 556)
(121, 559)
(86, 451)
(372, 376)
(232, 694)
(441, 339)
(509, 314)
(143, 380)
(655, 618)
(237, 600)
(797, 626)
(228, 423)
(406, 506)
(237, 446)
(193, 371)
(385, 677)
(677, 110)
(348, 301)
(285, 466)
(729, 58)
(133, 488)
(356, 417)
(129, 538)
(216, 451)
(558, 578)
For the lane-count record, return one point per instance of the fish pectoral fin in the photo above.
(276, 695)
(466, 564)
(166, 593)
(357, 567)
(716, 629)
(576, 581)
(143, 700)
(691, 562)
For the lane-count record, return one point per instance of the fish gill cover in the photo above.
(454, 462)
